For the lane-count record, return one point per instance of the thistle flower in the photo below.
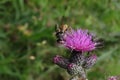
(112, 78)
(79, 40)
(60, 61)
(90, 61)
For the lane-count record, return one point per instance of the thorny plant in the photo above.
(80, 43)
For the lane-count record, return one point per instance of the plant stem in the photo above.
(77, 78)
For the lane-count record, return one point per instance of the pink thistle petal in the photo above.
(56, 59)
(79, 40)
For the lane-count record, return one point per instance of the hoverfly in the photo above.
(60, 31)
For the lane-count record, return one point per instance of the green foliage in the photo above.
(27, 40)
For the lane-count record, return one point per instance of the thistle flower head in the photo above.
(112, 78)
(79, 40)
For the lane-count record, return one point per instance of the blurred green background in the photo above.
(28, 43)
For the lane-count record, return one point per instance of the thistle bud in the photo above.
(60, 61)
(74, 69)
(90, 61)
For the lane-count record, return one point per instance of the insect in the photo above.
(60, 31)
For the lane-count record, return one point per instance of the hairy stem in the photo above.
(77, 78)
